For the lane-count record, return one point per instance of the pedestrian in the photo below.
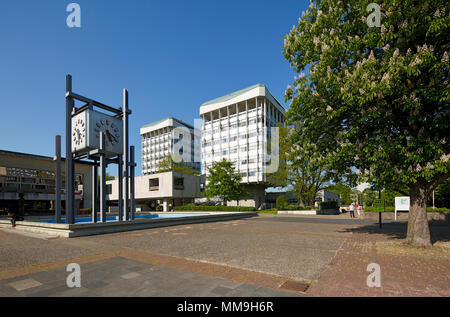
(14, 216)
(358, 210)
(352, 211)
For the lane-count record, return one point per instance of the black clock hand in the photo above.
(111, 136)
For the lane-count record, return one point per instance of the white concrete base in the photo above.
(297, 212)
(88, 229)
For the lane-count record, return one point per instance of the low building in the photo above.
(167, 189)
(34, 177)
(324, 196)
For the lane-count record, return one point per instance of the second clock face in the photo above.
(111, 130)
(79, 132)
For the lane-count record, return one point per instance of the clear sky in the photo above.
(172, 56)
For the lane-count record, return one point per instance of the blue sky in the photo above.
(172, 56)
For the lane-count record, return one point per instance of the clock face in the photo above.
(87, 127)
(79, 132)
(111, 130)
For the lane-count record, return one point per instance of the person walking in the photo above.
(352, 211)
(358, 210)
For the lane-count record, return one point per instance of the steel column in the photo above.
(120, 189)
(94, 193)
(70, 201)
(58, 179)
(102, 178)
(125, 155)
(132, 168)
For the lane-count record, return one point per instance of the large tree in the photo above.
(301, 169)
(376, 99)
(224, 182)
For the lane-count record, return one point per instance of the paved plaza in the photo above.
(264, 256)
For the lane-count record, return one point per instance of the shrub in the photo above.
(282, 202)
(269, 211)
(296, 207)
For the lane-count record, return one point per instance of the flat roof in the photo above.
(221, 101)
(166, 119)
(39, 157)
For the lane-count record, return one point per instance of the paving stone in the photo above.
(24, 284)
(130, 276)
(221, 291)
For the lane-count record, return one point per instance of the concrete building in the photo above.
(34, 177)
(237, 127)
(167, 189)
(324, 195)
(161, 137)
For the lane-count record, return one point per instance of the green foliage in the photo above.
(224, 182)
(368, 196)
(375, 98)
(297, 207)
(169, 165)
(192, 207)
(343, 190)
(282, 202)
(272, 211)
(442, 194)
(280, 177)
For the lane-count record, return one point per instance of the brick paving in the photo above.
(268, 256)
(405, 271)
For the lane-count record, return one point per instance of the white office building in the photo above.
(237, 127)
(160, 138)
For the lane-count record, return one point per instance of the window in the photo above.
(153, 184)
(109, 189)
(178, 183)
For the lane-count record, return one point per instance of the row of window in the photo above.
(233, 138)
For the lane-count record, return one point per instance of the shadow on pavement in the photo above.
(439, 230)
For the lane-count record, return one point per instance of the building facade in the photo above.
(237, 127)
(161, 138)
(34, 177)
(166, 189)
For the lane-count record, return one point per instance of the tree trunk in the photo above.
(418, 228)
(300, 202)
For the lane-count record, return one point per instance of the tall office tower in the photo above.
(237, 127)
(160, 138)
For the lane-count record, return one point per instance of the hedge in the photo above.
(295, 207)
(269, 211)
(192, 207)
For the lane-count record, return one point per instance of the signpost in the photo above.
(379, 207)
(401, 204)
